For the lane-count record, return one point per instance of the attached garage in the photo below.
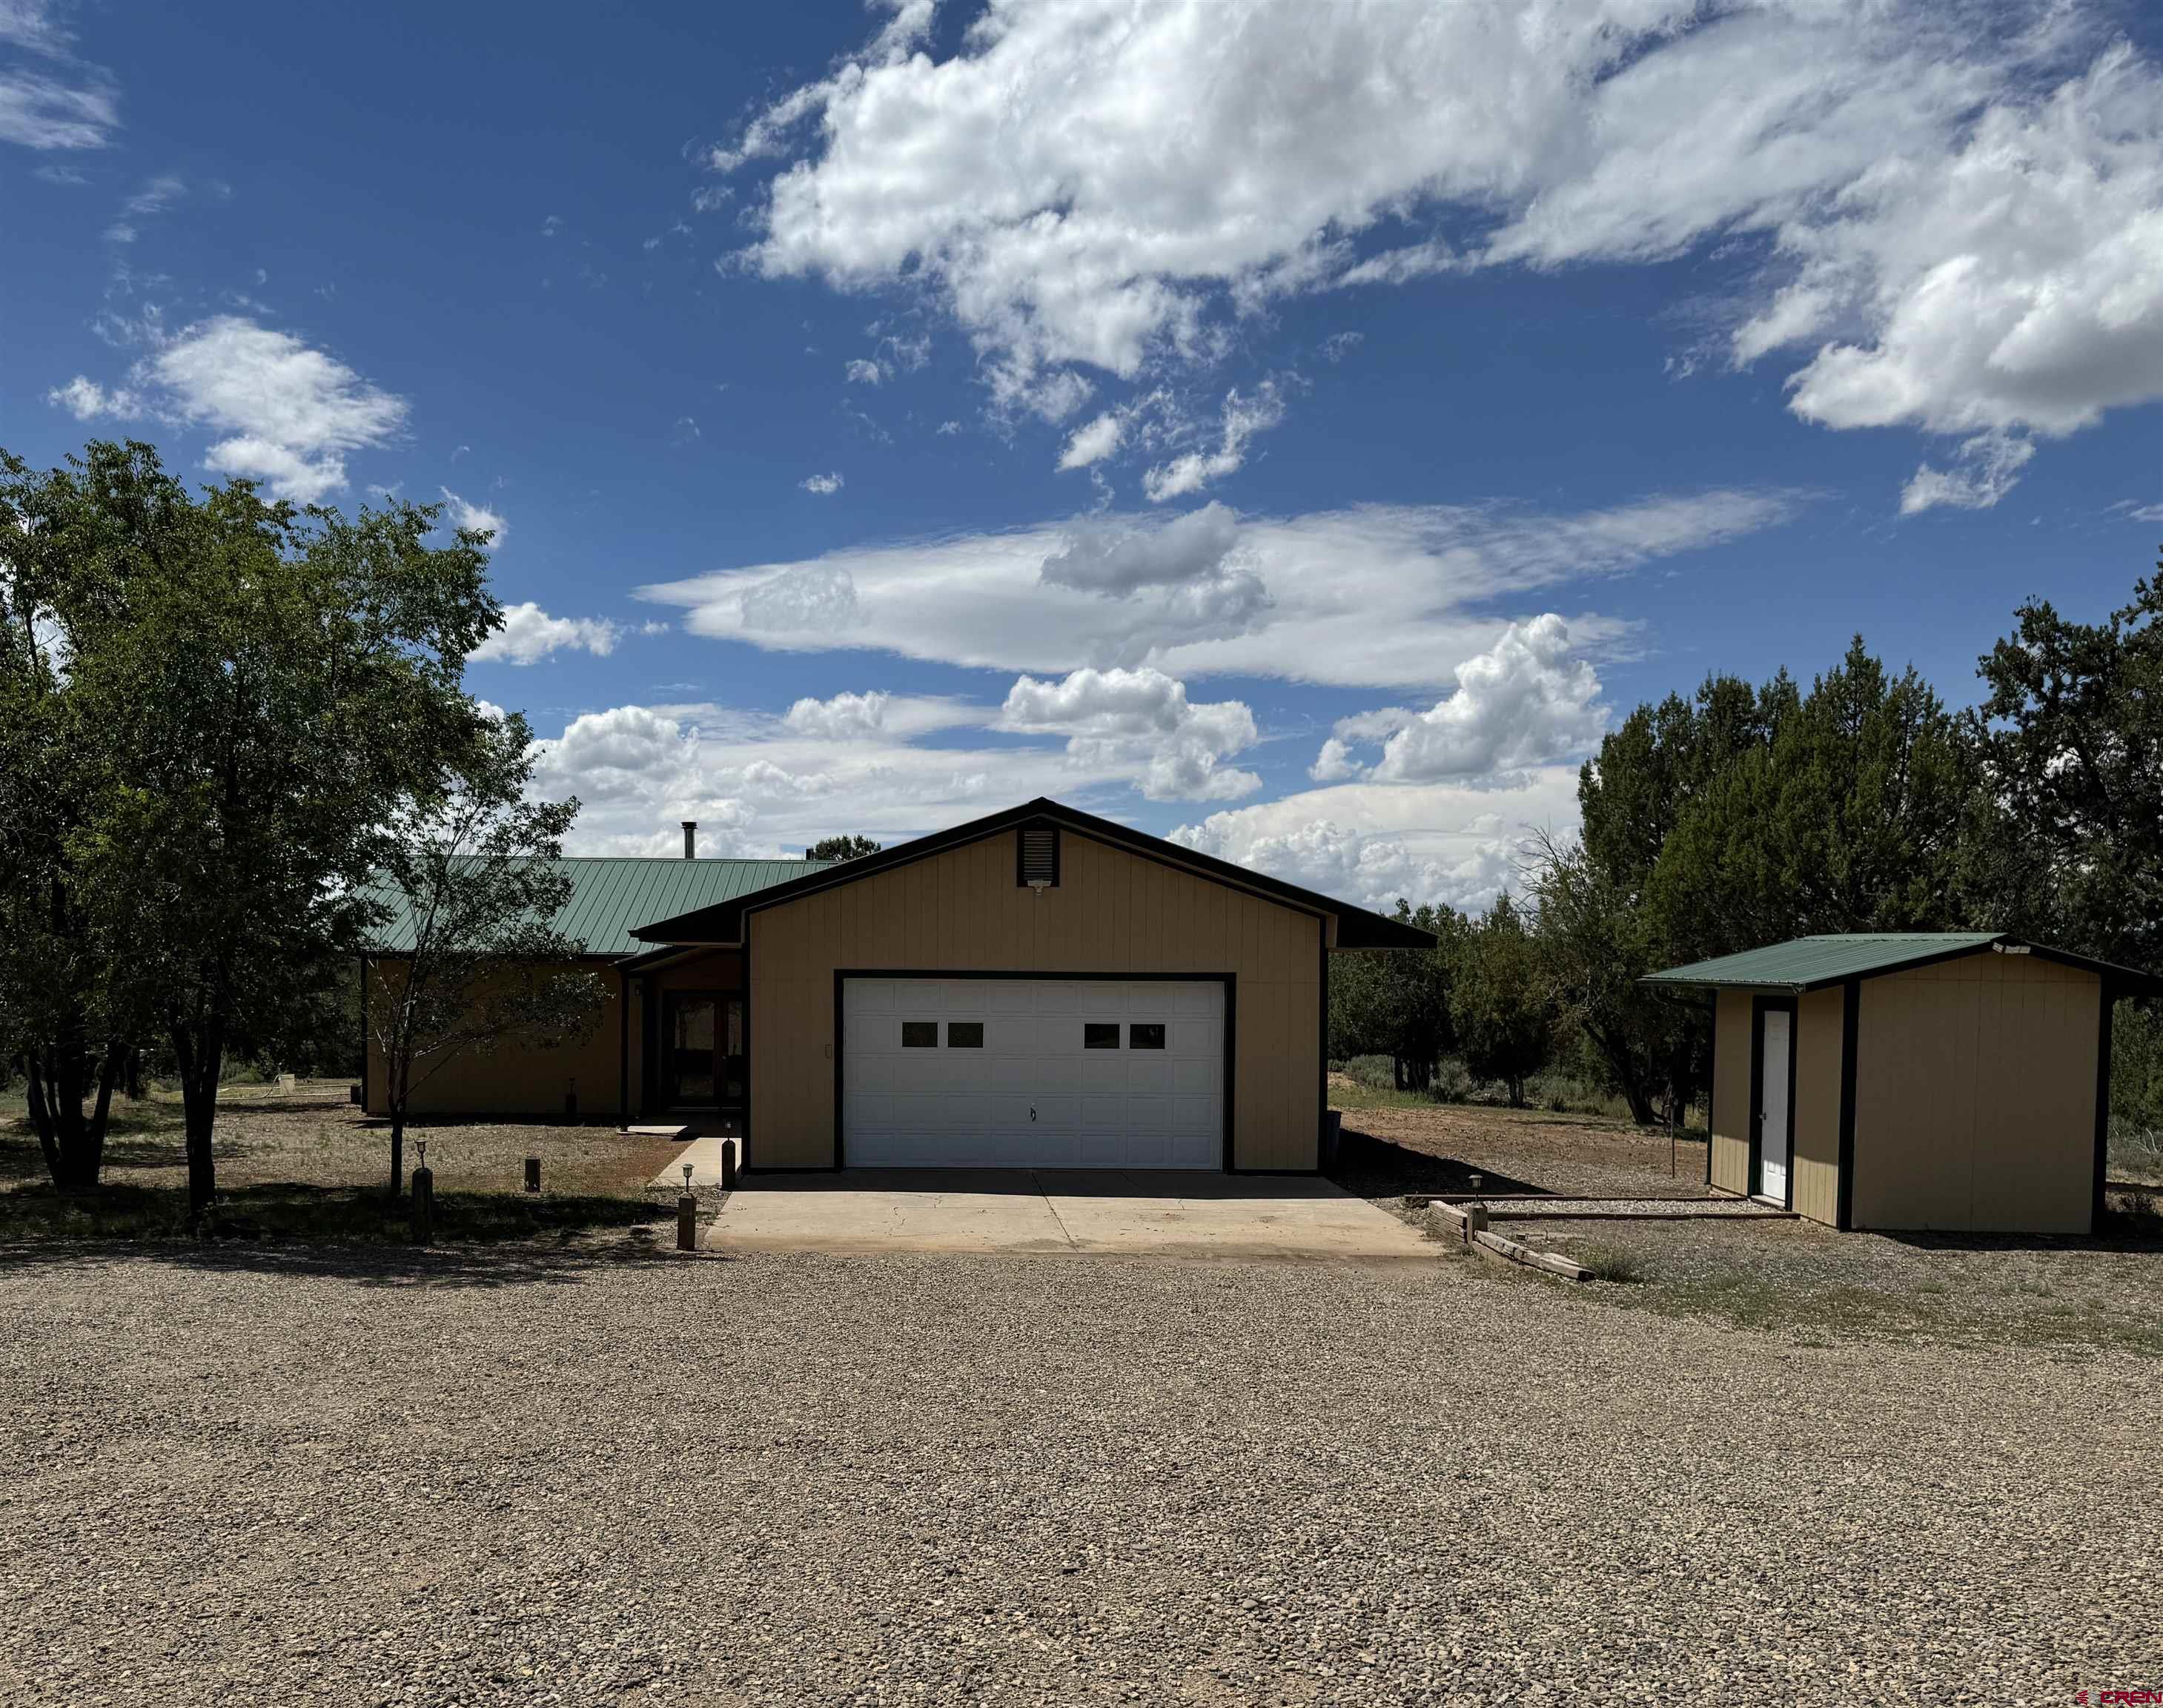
(1040, 988)
(1942, 1082)
(1033, 1073)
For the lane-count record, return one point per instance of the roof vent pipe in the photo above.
(690, 839)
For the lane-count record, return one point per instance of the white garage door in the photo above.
(1032, 1073)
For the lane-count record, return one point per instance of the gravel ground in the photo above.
(270, 1477)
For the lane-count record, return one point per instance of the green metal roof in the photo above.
(612, 895)
(1804, 963)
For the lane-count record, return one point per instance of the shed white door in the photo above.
(1032, 1073)
(1773, 1123)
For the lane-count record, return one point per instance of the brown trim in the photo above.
(2104, 999)
(1851, 1028)
(1230, 981)
(1759, 1007)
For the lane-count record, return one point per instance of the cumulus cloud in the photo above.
(861, 372)
(288, 413)
(1372, 843)
(1526, 700)
(464, 514)
(86, 400)
(1952, 217)
(1111, 716)
(529, 633)
(1297, 599)
(842, 718)
(824, 486)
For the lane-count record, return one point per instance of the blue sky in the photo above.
(1299, 430)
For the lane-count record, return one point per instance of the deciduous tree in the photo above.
(472, 876)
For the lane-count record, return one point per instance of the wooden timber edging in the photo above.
(1433, 1198)
(1470, 1226)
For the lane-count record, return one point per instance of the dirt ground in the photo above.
(1808, 1284)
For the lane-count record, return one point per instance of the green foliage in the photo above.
(849, 847)
(2071, 737)
(1499, 1002)
(1396, 1002)
(476, 869)
(232, 696)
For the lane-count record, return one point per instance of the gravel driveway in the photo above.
(279, 1478)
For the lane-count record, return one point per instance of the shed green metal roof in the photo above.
(612, 895)
(1804, 963)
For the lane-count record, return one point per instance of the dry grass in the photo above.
(304, 1164)
(1794, 1278)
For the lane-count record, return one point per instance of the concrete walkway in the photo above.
(703, 1154)
(1297, 1218)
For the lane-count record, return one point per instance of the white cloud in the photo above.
(860, 372)
(1092, 443)
(86, 400)
(1954, 214)
(289, 411)
(72, 106)
(764, 784)
(1989, 466)
(824, 484)
(1526, 700)
(1244, 417)
(1381, 596)
(529, 633)
(1371, 843)
(846, 715)
(1103, 556)
(1141, 717)
(463, 514)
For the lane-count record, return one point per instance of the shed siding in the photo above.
(962, 911)
(513, 1080)
(1974, 1096)
(1816, 1161)
(1731, 1092)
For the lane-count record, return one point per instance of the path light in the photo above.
(687, 1177)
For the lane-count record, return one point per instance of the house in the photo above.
(1038, 988)
(1951, 1082)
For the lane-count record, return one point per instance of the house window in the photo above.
(965, 1035)
(1037, 860)
(920, 1034)
(1100, 1035)
(1145, 1035)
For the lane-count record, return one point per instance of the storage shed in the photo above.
(1951, 1081)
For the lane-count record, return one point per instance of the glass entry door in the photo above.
(702, 1049)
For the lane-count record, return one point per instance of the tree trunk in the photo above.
(134, 1075)
(1516, 1093)
(61, 1076)
(398, 1150)
(201, 1062)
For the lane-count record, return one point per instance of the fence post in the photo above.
(424, 1201)
(533, 1174)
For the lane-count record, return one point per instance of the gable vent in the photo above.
(1038, 861)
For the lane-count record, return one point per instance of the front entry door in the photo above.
(1772, 1116)
(702, 1049)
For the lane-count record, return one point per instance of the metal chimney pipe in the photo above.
(690, 839)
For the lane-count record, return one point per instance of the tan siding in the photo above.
(511, 1081)
(1730, 1093)
(1816, 1163)
(962, 911)
(1974, 1096)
